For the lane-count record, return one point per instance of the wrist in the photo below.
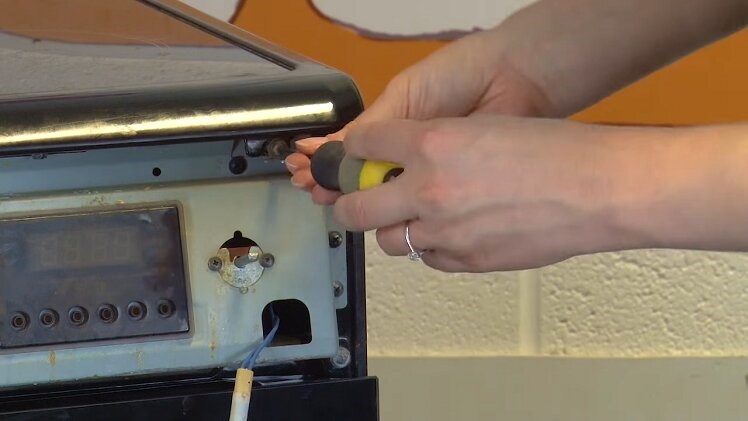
(682, 188)
(507, 69)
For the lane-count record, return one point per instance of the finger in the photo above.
(391, 239)
(384, 205)
(310, 145)
(443, 261)
(340, 134)
(391, 140)
(322, 196)
(297, 161)
(302, 179)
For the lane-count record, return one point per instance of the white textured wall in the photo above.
(644, 303)
(414, 311)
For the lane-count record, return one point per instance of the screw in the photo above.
(277, 149)
(267, 260)
(338, 288)
(237, 165)
(215, 264)
(342, 358)
(335, 239)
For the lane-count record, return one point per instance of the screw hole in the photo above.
(19, 321)
(136, 310)
(78, 316)
(48, 318)
(165, 308)
(156, 171)
(107, 313)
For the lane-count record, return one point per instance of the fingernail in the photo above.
(310, 144)
(295, 161)
(309, 141)
(296, 182)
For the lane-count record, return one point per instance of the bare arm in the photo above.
(579, 51)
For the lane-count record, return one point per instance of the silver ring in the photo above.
(414, 254)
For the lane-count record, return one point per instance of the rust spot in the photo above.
(52, 358)
(213, 336)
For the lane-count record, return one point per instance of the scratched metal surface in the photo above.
(53, 67)
(226, 323)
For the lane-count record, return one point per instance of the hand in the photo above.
(467, 77)
(487, 193)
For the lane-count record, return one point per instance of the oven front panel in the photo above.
(126, 261)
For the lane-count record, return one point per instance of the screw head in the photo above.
(278, 148)
(267, 260)
(336, 239)
(215, 264)
(342, 358)
(338, 288)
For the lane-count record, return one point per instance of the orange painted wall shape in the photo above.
(708, 86)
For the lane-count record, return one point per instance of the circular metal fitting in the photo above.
(342, 358)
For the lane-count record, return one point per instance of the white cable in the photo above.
(242, 393)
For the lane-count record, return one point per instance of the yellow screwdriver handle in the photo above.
(334, 170)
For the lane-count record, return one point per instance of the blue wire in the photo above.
(251, 359)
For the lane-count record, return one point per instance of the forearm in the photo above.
(683, 188)
(579, 51)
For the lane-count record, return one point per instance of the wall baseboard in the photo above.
(560, 389)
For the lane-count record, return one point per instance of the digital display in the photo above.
(135, 239)
(83, 247)
(92, 274)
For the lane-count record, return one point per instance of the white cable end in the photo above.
(242, 392)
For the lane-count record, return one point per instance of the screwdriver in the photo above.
(334, 170)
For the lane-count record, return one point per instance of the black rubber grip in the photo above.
(325, 165)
